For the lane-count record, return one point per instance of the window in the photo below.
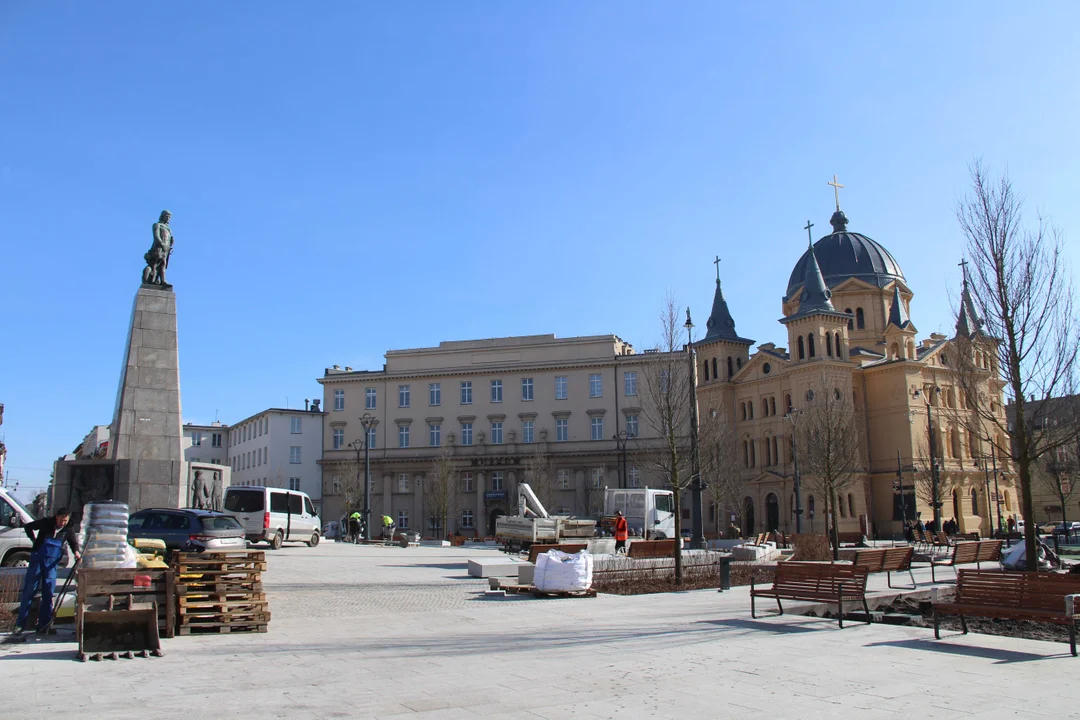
(560, 387)
(435, 435)
(403, 436)
(597, 478)
(369, 399)
(294, 483)
(633, 477)
(828, 344)
(597, 428)
(466, 433)
(630, 380)
(850, 322)
(466, 519)
(802, 349)
(294, 425)
(562, 430)
(496, 481)
(434, 523)
(974, 502)
(750, 409)
(403, 482)
(196, 439)
(526, 389)
(810, 345)
(860, 319)
(730, 370)
(851, 505)
(403, 519)
(294, 455)
(665, 380)
(403, 396)
(215, 440)
(562, 478)
(339, 438)
(371, 438)
(527, 431)
(596, 385)
(434, 394)
(496, 433)
(706, 366)
(335, 484)
(496, 391)
(339, 400)
(631, 426)
(467, 482)
(466, 393)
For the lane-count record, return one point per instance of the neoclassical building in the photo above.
(848, 315)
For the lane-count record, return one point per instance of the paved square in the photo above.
(360, 632)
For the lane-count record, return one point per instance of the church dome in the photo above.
(844, 255)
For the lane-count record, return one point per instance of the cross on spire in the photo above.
(716, 262)
(809, 235)
(963, 264)
(836, 190)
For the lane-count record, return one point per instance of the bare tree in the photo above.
(922, 476)
(1022, 289)
(718, 444)
(830, 445)
(1057, 474)
(539, 473)
(666, 393)
(441, 488)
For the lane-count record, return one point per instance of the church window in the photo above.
(974, 501)
(766, 368)
(745, 453)
(768, 453)
(787, 403)
(738, 363)
(750, 409)
(742, 407)
(894, 351)
(860, 319)
(706, 371)
(772, 406)
(850, 322)
(729, 370)
(753, 454)
(810, 345)
(802, 349)
(851, 504)
(828, 344)
(714, 373)
(775, 450)
(839, 354)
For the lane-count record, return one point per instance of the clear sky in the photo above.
(347, 178)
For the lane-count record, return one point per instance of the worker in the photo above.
(621, 532)
(44, 557)
(354, 527)
(388, 526)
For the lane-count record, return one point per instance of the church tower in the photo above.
(816, 330)
(899, 330)
(721, 353)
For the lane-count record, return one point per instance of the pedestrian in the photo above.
(354, 527)
(1012, 525)
(51, 532)
(621, 532)
(388, 526)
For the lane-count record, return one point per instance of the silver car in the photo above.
(188, 530)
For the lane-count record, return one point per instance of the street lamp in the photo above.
(620, 443)
(985, 462)
(935, 467)
(997, 492)
(697, 540)
(792, 416)
(368, 421)
(903, 498)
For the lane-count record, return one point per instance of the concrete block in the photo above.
(156, 357)
(164, 339)
(148, 423)
(526, 573)
(493, 567)
(157, 321)
(154, 400)
(434, 543)
(156, 472)
(149, 303)
(161, 378)
(601, 546)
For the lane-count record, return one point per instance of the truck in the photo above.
(649, 512)
(533, 524)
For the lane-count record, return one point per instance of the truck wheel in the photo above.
(17, 559)
(275, 544)
(314, 540)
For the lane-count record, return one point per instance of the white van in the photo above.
(14, 545)
(275, 515)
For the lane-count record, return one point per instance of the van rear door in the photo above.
(247, 505)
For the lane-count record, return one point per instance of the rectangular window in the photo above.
(466, 519)
(403, 436)
(466, 433)
(403, 396)
(665, 381)
(596, 385)
(466, 482)
(294, 455)
(631, 426)
(496, 433)
(294, 425)
(339, 400)
(434, 523)
(215, 440)
(339, 438)
(434, 394)
(526, 431)
(466, 392)
(597, 478)
(335, 484)
(630, 381)
(369, 398)
(435, 435)
(496, 481)
(371, 438)
(403, 482)
(597, 428)
(562, 430)
(563, 479)
(496, 391)
(196, 439)
(294, 484)
(526, 389)
(403, 519)
(633, 477)
(560, 387)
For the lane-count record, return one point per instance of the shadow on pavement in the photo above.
(940, 646)
(67, 653)
(775, 628)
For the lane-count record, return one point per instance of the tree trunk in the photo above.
(677, 501)
(834, 533)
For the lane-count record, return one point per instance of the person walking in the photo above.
(622, 532)
(354, 527)
(51, 533)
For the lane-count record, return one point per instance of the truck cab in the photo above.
(14, 545)
(649, 512)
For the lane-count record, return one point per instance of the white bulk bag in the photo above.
(557, 571)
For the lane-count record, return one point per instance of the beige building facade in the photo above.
(495, 410)
(847, 312)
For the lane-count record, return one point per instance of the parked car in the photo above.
(14, 545)
(1071, 527)
(188, 530)
(274, 515)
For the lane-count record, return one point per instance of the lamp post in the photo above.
(935, 468)
(357, 446)
(368, 421)
(793, 418)
(986, 479)
(620, 444)
(900, 483)
(697, 540)
(997, 493)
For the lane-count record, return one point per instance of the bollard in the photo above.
(725, 574)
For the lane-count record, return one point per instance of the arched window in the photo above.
(828, 344)
(802, 349)
(745, 453)
(750, 409)
(705, 369)
(742, 407)
(730, 372)
(738, 363)
(772, 406)
(955, 443)
(714, 373)
(850, 322)
(851, 505)
(753, 454)
(810, 343)
(839, 352)
(974, 501)
(911, 349)
(787, 403)
(768, 453)
(840, 507)
(860, 320)
(894, 351)
(775, 451)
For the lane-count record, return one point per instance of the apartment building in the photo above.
(278, 447)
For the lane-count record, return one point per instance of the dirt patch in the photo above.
(986, 626)
(660, 580)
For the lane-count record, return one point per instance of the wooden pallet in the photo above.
(531, 590)
(221, 592)
(222, 628)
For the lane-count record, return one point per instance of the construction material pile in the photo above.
(103, 536)
(221, 592)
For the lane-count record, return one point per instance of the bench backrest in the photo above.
(872, 560)
(965, 552)
(651, 549)
(989, 550)
(898, 559)
(537, 550)
(1025, 590)
(822, 579)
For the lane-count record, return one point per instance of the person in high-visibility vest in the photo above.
(388, 526)
(622, 531)
(354, 526)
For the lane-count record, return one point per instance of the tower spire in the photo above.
(968, 322)
(816, 296)
(720, 325)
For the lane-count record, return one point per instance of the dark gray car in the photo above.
(188, 530)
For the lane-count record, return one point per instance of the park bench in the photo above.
(886, 560)
(569, 548)
(815, 582)
(651, 549)
(967, 553)
(1037, 596)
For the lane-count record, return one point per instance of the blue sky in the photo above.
(347, 178)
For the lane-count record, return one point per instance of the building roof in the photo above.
(898, 314)
(816, 298)
(720, 325)
(968, 322)
(842, 255)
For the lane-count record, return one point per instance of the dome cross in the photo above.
(836, 190)
(716, 262)
(809, 235)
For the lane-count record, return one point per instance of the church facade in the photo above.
(847, 311)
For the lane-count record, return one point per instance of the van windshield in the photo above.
(15, 501)
(244, 501)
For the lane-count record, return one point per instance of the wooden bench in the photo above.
(651, 549)
(815, 582)
(966, 553)
(886, 560)
(535, 550)
(1041, 597)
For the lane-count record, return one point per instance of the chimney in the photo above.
(306, 403)
(348, 369)
(315, 405)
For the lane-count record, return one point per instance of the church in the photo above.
(847, 310)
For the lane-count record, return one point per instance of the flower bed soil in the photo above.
(645, 581)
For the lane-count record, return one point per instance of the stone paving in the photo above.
(362, 632)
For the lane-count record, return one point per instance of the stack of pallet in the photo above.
(221, 592)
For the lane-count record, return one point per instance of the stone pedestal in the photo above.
(146, 428)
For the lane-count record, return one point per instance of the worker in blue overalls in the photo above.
(51, 532)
